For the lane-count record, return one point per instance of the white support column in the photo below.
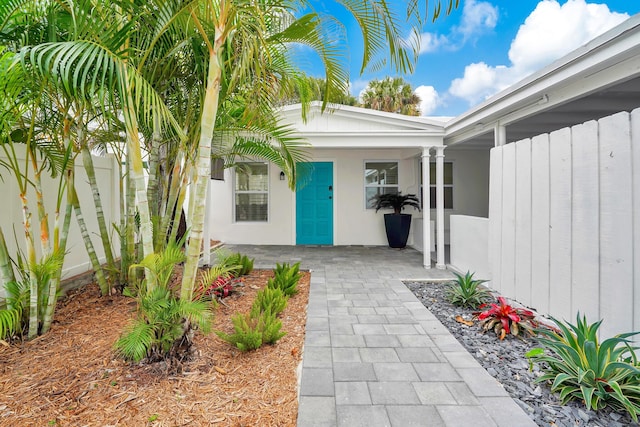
(426, 209)
(499, 135)
(440, 263)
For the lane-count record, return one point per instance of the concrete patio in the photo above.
(374, 355)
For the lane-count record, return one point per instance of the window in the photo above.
(251, 191)
(448, 184)
(379, 178)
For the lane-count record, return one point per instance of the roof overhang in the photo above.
(596, 80)
(353, 127)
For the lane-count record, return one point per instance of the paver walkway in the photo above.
(374, 355)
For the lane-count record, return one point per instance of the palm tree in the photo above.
(393, 95)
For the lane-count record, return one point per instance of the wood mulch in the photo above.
(72, 377)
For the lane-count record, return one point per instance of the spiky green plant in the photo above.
(467, 291)
(247, 336)
(582, 368)
(286, 277)
(270, 299)
(254, 329)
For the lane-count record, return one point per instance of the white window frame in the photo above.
(366, 186)
(433, 184)
(236, 192)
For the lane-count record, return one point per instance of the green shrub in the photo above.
(272, 299)
(286, 278)
(253, 329)
(580, 367)
(158, 330)
(237, 263)
(247, 336)
(467, 292)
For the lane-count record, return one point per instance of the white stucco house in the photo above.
(536, 189)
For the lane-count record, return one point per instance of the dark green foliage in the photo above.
(580, 367)
(467, 292)
(286, 278)
(395, 201)
(270, 299)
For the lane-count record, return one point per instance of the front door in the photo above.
(314, 207)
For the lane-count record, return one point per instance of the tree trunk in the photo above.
(209, 112)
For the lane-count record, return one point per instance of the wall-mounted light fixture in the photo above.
(281, 176)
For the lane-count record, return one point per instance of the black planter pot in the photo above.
(397, 226)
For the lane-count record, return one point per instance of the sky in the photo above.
(484, 46)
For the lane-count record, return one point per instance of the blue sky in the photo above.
(486, 45)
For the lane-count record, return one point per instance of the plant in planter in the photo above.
(397, 224)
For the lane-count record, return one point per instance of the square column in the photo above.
(440, 263)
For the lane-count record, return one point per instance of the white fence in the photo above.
(76, 260)
(469, 243)
(564, 231)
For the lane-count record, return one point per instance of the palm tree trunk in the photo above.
(135, 157)
(6, 270)
(86, 237)
(31, 263)
(209, 112)
(87, 162)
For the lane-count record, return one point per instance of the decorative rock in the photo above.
(505, 361)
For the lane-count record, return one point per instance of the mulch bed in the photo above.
(72, 377)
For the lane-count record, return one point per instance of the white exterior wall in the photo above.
(76, 260)
(565, 222)
(469, 244)
(353, 223)
(470, 185)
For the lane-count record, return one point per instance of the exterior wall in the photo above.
(470, 185)
(469, 244)
(565, 222)
(76, 260)
(353, 223)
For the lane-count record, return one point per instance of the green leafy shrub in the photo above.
(163, 322)
(247, 336)
(270, 327)
(504, 319)
(270, 299)
(253, 329)
(582, 368)
(286, 278)
(467, 292)
(237, 263)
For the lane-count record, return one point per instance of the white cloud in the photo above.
(549, 32)
(430, 42)
(477, 17)
(429, 99)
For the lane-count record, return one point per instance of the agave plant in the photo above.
(467, 291)
(504, 319)
(582, 368)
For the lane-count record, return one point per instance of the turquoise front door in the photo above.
(314, 207)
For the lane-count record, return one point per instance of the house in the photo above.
(536, 189)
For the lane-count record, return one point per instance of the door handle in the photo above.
(331, 188)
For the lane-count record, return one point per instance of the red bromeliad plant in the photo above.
(504, 319)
